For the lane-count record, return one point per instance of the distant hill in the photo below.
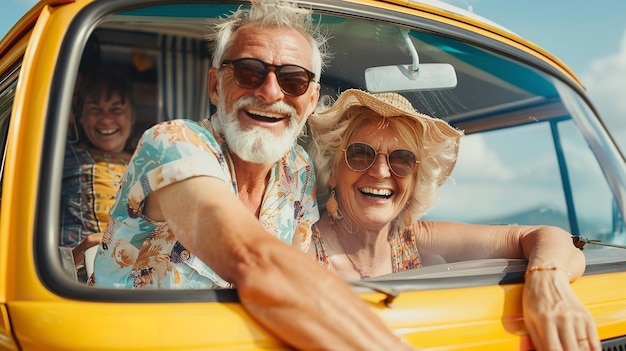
(539, 215)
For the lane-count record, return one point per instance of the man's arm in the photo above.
(282, 288)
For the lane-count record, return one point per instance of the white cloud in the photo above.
(486, 171)
(606, 85)
(477, 161)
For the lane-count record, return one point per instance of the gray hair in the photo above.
(266, 14)
(331, 135)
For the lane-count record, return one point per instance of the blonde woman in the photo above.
(379, 164)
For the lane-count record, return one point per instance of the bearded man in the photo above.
(244, 159)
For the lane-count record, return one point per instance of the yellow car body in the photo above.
(41, 308)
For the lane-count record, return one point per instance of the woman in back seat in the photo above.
(95, 161)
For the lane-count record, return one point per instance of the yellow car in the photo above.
(532, 135)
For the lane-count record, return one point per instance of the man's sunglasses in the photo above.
(250, 73)
(360, 157)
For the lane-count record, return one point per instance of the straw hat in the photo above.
(389, 105)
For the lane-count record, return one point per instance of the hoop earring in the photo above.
(408, 219)
(332, 207)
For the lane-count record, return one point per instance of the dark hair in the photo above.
(104, 81)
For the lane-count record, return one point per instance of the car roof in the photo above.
(460, 12)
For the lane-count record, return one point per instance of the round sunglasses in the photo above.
(250, 73)
(361, 156)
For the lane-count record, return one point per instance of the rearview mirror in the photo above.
(399, 78)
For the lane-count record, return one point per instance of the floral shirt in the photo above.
(90, 180)
(137, 251)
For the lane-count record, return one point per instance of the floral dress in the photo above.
(404, 252)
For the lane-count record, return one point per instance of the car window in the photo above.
(594, 204)
(497, 181)
(539, 173)
(524, 159)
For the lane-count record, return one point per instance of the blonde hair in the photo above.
(436, 152)
(268, 14)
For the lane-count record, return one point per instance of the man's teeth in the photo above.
(266, 114)
(377, 192)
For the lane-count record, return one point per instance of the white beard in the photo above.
(256, 144)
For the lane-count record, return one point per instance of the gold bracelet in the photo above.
(544, 268)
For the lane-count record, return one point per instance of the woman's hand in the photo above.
(554, 316)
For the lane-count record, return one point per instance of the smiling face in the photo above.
(261, 124)
(374, 197)
(107, 121)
